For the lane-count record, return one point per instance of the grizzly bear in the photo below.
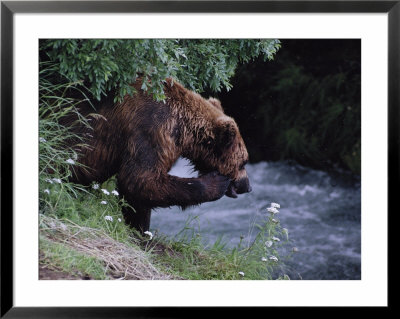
(139, 139)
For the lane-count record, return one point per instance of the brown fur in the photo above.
(140, 139)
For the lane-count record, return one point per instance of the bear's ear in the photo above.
(216, 103)
(226, 132)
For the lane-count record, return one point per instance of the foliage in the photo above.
(107, 64)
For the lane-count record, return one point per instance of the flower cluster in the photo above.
(97, 186)
(110, 218)
(272, 239)
(273, 258)
(150, 234)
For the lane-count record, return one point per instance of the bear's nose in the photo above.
(243, 186)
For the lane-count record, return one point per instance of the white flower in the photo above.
(273, 258)
(48, 180)
(95, 186)
(70, 161)
(273, 210)
(57, 180)
(276, 205)
(115, 192)
(241, 273)
(119, 219)
(263, 259)
(105, 191)
(149, 234)
(295, 249)
(46, 191)
(268, 243)
(42, 140)
(108, 218)
(274, 221)
(103, 202)
(275, 239)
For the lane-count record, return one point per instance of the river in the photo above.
(321, 211)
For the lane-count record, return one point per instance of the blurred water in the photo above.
(322, 213)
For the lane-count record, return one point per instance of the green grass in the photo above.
(69, 260)
(82, 229)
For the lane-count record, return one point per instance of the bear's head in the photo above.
(232, 156)
(223, 150)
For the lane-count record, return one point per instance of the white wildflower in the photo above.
(70, 161)
(119, 219)
(57, 180)
(95, 186)
(108, 218)
(150, 234)
(295, 249)
(268, 243)
(42, 140)
(273, 258)
(275, 239)
(105, 191)
(241, 273)
(275, 205)
(263, 259)
(103, 202)
(48, 180)
(273, 210)
(114, 192)
(46, 191)
(274, 221)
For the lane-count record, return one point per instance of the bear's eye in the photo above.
(243, 165)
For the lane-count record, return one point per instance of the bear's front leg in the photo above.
(147, 191)
(171, 190)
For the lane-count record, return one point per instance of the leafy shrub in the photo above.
(107, 64)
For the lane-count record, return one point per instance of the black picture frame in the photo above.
(9, 8)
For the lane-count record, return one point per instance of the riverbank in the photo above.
(71, 251)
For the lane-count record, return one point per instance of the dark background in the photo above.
(304, 106)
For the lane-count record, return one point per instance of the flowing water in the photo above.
(322, 213)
